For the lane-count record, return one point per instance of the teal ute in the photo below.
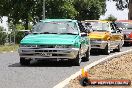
(55, 39)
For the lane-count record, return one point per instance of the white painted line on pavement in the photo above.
(67, 80)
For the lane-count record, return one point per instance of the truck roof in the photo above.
(58, 20)
(103, 21)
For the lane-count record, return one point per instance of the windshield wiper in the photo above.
(36, 33)
(53, 33)
(47, 33)
(99, 30)
(44, 33)
(69, 33)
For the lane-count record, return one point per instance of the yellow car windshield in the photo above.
(99, 26)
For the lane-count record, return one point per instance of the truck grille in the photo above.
(46, 46)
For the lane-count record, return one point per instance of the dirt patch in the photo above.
(117, 68)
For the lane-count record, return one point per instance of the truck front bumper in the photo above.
(128, 40)
(98, 44)
(48, 53)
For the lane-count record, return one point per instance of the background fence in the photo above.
(13, 37)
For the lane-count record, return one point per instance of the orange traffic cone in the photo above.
(85, 80)
(84, 73)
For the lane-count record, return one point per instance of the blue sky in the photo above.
(111, 9)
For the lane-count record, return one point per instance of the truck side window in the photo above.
(113, 29)
(81, 27)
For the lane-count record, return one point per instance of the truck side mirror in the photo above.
(83, 34)
(119, 30)
(113, 31)
(27, 32)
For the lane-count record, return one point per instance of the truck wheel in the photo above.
(118, 49)
(77, 60)
(23, 61)
(131, 43)
(87, 54)
(106, 51)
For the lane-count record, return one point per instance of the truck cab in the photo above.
(55, 39)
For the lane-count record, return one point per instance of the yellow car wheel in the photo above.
(106, 51)
(118, 48)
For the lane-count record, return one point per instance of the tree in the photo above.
(17, 10)
(1, 28)
(2, 36)
(26, 11)
(89, 9)
(31, 10)
(111, 18)
(60, 9)
(121, 4)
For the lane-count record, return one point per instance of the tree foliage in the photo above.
(2, 36)
(121, 4)
(111, 18)
(26, 11)
(89, 9)
(60, 9)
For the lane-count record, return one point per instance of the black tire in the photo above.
(131, 44)
(126, 43)
(106, 50)
(77, 60)
(85, 81)
(87, 55)
(118, 49)
(23, 61)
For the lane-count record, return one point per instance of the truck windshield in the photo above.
(99, 26)
(128, 26)
(55, 27)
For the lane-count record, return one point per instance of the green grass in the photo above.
(8, 48)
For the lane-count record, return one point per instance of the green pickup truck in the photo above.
(55, 39)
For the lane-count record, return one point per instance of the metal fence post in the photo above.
(43, 9)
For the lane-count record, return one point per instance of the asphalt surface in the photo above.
(38, 74)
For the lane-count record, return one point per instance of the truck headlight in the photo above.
(23, 46)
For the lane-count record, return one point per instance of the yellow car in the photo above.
(105, 36)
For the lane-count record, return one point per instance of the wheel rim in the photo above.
(108, 51)
(79, 61)
(88, 54)
(118, 48)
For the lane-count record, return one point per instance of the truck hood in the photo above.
(98, 35)
(49, 39)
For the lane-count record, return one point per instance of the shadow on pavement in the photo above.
(44, 64)
(127, 45)
(96, 52)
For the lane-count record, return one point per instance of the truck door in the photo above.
(83, 39)
(115, 36)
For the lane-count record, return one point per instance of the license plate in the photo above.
(46, 54)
